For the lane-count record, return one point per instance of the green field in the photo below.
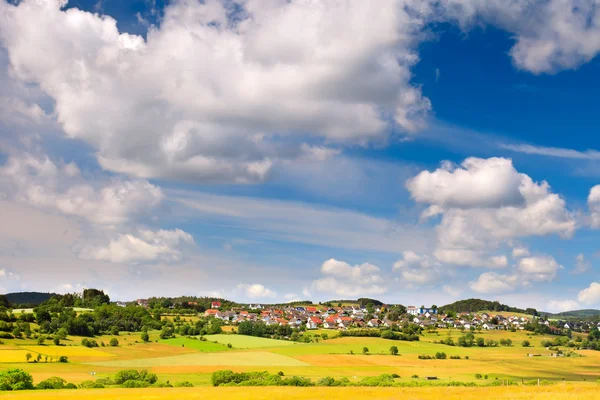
(194, 360)
(249, 342)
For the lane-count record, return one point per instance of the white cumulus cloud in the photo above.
(345, 280)
(590, 295)
(255, 290)
(146, 246)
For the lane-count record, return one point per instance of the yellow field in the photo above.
(69, 351)
(559, 391)
(12, 356)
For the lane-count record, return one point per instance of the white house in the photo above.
(412, 310)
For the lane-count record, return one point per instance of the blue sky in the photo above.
(271, 150)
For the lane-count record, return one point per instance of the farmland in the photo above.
(193, 360)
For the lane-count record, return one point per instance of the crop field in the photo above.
(193, 360)
(250, 342)
(559, 391)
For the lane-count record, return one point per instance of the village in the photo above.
(360, 316)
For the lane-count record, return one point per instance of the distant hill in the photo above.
(476, 305)
(587, 313)
(28, 298)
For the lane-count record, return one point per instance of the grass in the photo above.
(193, 360)
(199, 345)
(562, 391)
(231, 358)
(249, 342)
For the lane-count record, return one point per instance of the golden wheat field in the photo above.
(560, 391)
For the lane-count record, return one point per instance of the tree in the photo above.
(480, 342)
(145, 337)
(525, 343)
(365, 350)
(15, 379)
(114, 342)
(394, 350)
(39, 357)
(56, 341)
(41, 340)
(28, 356)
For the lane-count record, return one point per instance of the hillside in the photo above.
(476, 305)
(28, 298)
(586, 313)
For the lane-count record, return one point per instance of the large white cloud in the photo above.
(343, 279)
(590, 295)
(491, 282)
(208, 108)
(147, 246)
(486, 203)
(539, 268)
(42, 183)
(210, 93)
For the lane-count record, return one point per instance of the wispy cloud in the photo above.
(297, 222)
(553, 151)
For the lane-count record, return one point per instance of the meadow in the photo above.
(194, 360)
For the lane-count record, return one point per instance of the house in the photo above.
(489, 326)
(424, 310)
(300, 309)
(412, 310)
(211, 312)
(215, 304)
(313, 323)
(142, 302)
(330, 323)
(311, 309)
(254, 306)
(374, 323)
(121, 304)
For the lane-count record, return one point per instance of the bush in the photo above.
(183, 384)
(478, 376)
(70, 386)
(91, 385)
(56, 341)
(394, 350)
(63, 359)
(41, 340)
(440, 356)
(114, 342)
(89, 342)
(135, 384)
(455, 357)
(133, 375)
(52, 383)
(15, 379)
(415, 376)
(525, 343)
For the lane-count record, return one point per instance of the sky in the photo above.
(417, 152)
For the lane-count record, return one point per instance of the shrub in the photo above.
(56, 341)
(478, 376)
(229, 345)
(183, 384)
(394, 350)
(525, 343)
(89, 342)
(70, 386)
(134, 384)
(114, 342)
(91, 385)
(41, 340)
(63, 359)
(365, 350)
(415, 376)
(440, 356)
(15, 379)
(455, 357)
(52, 383)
